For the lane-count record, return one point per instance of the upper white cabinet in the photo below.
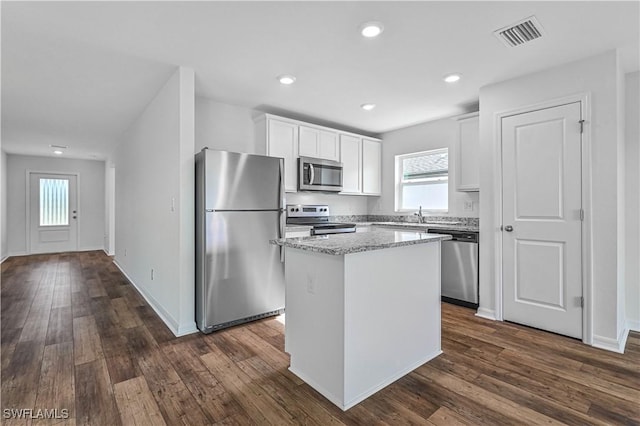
(467, 151)
(318, 143)
(361, 162)
(351, 158)
(289, 139)
(282, 141)
(371, 167)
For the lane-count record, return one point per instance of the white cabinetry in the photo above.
(287, 138)
(361, 161)
(318, 143)
(371, 167)
(351, 158)
(467, 151)
(282, 141)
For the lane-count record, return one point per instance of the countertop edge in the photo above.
(299, 243)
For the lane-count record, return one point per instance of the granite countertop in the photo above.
(423, 226)
(378, 239)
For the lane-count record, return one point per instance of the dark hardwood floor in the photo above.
(77, 336)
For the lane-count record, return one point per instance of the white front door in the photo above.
(542, 201)
(53, 222)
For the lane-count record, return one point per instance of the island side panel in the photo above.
(314, 325)
(392, 316)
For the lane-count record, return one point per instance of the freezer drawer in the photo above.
(241, 275)
(460, 272)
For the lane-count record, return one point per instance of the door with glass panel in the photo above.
(53, 221)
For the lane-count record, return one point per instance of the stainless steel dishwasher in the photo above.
(459, 262)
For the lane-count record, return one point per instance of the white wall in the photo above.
(3, 207)
(90, 193)
(632, 195)
(154, 181)
(231, 128)
(422, 137)
(225, 127)
(598, 76)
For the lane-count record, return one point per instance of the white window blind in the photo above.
(54, 202)
(423, 181)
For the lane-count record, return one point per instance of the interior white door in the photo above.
(542, 201)
(53, 222)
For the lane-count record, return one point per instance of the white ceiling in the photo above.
(78, 73)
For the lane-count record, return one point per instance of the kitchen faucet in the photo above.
(420, 216)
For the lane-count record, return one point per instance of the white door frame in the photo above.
(29, 172)
(587, 250)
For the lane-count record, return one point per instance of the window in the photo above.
(422, 179)
(54, 202)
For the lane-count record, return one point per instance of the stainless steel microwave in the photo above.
(317, 174)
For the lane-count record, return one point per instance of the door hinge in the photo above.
(582, 301)
(581, 215)
(581, 126)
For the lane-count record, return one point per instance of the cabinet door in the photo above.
(351, 157)
(468, 146)
(283, 142)
(371, 165)
(308, 142)
(328, 146)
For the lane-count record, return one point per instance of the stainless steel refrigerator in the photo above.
(239, 208)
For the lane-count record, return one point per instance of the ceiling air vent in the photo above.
(521, 32)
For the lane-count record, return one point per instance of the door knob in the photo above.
(508, 228)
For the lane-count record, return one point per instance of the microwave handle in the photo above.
(312, 174)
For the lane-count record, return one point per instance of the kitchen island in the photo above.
(362, 309)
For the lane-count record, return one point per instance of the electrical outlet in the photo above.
(468, 206)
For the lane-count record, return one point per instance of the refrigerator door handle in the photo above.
(282, 200)
(282, 233)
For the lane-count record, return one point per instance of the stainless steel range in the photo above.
(316, 216)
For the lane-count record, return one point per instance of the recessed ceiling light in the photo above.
(368, 107)
(371, 29)
(286, 79)
(57, 152)
(452, 78)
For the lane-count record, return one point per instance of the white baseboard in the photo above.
(176, 328)
(486, 313)
(4, 258)
(633, 325)
(613, 345)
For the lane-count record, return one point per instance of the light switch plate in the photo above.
(468, 206)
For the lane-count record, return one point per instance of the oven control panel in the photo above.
(306, 210)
